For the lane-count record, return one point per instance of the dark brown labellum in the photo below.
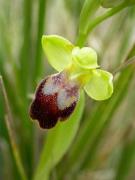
(55, 99)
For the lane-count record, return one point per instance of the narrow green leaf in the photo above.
(25, 55)
(38, 54)
(9, 125)
(110, 3)
(58, 141)
(127, 160)
(113, 3)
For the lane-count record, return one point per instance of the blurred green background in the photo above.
(98, 141)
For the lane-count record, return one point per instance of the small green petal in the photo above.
(100, 85)
(58, 51)
(85, 57)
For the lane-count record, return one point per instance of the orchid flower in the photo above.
(57, 95)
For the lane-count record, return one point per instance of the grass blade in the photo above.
(8, 119)
(127, 159)
(25, 54)
(58, 141)
(38, 55)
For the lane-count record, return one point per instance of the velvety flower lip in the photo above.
(57, 95)
(55, 100)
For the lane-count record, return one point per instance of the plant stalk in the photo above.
(83, 37)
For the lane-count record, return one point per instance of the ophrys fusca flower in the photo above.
(57, 95)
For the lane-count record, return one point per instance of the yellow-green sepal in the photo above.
(58, 50)
(100, 85)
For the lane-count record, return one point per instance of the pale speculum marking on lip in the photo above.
(56, 98)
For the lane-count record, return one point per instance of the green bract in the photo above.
(80, 64)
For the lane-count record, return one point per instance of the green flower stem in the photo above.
(38, 56)
(81, 40)
(83, 37)
(89, 9)
(9, 122)
(105, 16)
